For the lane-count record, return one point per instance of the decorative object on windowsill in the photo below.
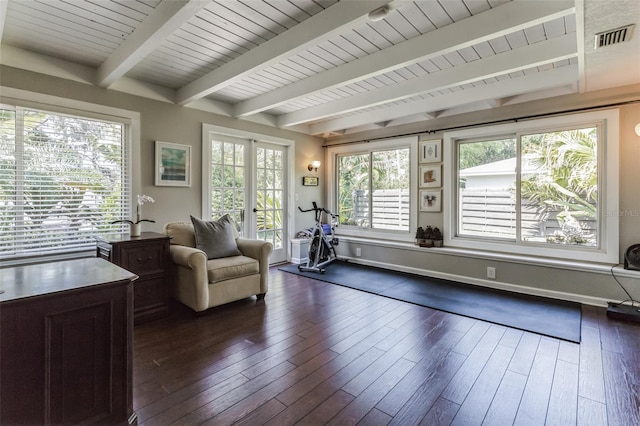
(135, 227)
(430, 237)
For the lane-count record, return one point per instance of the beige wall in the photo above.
(172, 123)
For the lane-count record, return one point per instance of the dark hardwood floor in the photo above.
(317, 353)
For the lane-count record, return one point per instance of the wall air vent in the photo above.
(607, 38)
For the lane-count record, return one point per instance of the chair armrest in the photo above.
(192, 279)
(190, 257)
(259, 250)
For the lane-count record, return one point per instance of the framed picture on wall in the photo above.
(310, 180)
(431, 176)
(430, 200)
(430, 151)
(173, 164)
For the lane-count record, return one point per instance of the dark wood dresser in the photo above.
(66, 331)
(148, 257)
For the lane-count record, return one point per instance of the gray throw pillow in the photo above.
(228, 219)
(216, 238)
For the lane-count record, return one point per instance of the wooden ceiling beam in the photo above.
(552, 50)
(529, 83)
(160, 24)
(485, 26)
(314, 30)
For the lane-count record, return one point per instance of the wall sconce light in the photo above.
(314, 166)
(638, 129)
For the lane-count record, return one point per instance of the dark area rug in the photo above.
(550, 317)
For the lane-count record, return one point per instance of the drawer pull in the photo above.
(142, 259)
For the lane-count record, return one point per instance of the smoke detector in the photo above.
(619, 35)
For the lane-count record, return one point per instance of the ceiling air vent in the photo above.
(607, 38)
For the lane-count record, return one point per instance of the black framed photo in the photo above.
(310, 180)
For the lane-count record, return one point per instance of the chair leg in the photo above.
(261, 296)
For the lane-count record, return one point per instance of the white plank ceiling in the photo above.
(323, 67)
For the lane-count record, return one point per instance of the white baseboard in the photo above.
(572, 297)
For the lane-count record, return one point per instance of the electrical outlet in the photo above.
(358, 252)
(491, 272)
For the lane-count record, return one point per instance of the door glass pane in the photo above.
(228, 180)
(277, 209)
(260, 157)
(228, 153)
(229, 176)
(239, 177)
(216, 153)
(228, 204)
(239, 150)
(277, 243)
(269, 194)
(279, 179)
(261, 178)
(278, 165)
(239, 199)
(269, 163)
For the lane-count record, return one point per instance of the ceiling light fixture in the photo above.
(379, 13)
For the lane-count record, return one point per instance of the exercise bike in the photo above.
(321, 250)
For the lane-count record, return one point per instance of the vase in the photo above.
(134, 229)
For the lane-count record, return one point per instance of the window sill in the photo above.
(591, 267)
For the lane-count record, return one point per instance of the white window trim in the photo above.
(608, 252)
(332, 170)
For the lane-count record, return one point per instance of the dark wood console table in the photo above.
(148, 257)
(66, 331)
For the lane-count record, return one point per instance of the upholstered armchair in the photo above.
(206, 278)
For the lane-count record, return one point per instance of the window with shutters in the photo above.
(62, 180)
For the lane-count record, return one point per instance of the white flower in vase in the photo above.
(135, 224)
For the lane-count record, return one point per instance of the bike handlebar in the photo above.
(315, 208)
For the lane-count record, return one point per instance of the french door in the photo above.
(270, 197)
(248, 180)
